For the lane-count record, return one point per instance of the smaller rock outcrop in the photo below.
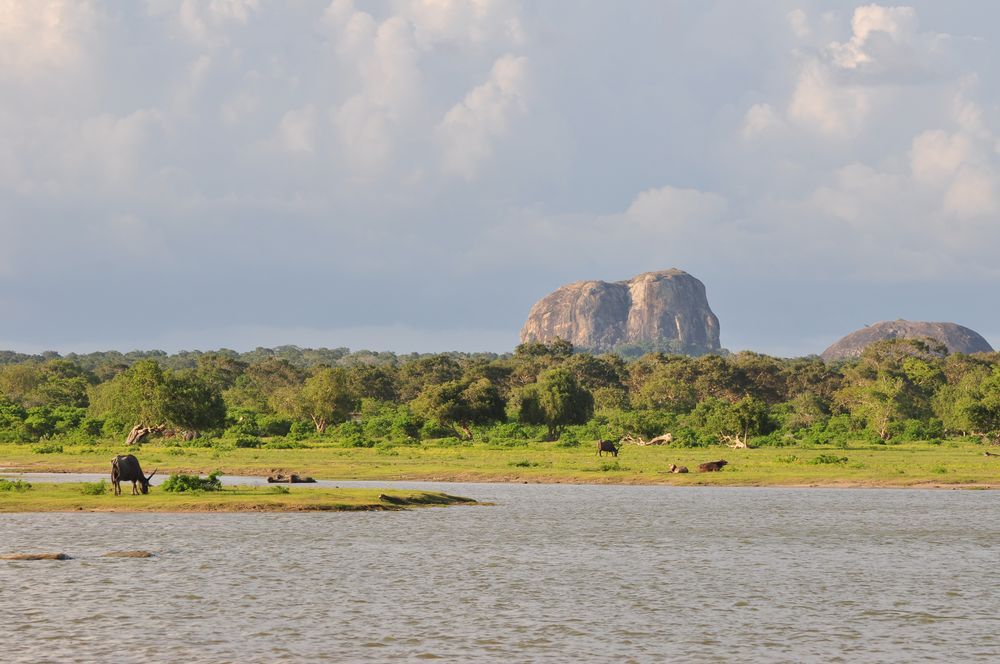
(956, 338)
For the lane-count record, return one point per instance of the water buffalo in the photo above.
(711, 466)
(606, 446)
(674, 468)
(126, 468)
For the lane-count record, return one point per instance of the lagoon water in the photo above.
(550, 573)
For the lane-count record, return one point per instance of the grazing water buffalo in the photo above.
(126, 468)
(711, 466)
(606, 446)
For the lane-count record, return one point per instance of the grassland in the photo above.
(951, 463)
(71, 497)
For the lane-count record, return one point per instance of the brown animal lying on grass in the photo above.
(678, 469)
(712, 466)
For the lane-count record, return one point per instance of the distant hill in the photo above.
(956, 338)
(667, 309)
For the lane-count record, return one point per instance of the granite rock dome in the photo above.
(653, 307)
(956, 338)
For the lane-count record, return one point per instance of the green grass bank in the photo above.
(947, 464)
(75, 497)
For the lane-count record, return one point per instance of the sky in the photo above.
(412, 175)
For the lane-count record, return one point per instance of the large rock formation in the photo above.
(958, 339)
(660, 308)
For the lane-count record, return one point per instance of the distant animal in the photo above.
(606, 446)
(289, 479)
(678, 469)
(990, 454)
(126, 468)
(711, 466)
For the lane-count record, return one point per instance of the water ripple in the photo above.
(551, 574)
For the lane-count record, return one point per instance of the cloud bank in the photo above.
(401, 173)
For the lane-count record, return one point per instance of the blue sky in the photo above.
(414, 174)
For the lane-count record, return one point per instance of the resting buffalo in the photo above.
(711, 466)
(126, 468)
(674, 468)
(289, 479)
(606, 446)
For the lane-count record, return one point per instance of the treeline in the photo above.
(897, 390)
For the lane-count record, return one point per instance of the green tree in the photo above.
(192, 402)
(433, 370)
(983, 411)
(326, 398)
(557, 400)
(136, 397)
(731, 422)
(373, 382)
(461, 403)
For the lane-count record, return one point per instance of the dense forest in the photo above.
(898, 390)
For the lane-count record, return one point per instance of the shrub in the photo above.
(180, 483)
(14, 485)
(274, 425)
(279, 489)
(688, 437)
(607, 467)
(434, 429)
(50, 448)
(911, 430)
(301, 430)
(828, 458)
(773, 439)
(283, 444)
(198, 442)
(506, 431)
(524, 463)
(449, 441)
(94, 488)
(791, 458)
(568, 438)
(247, 442)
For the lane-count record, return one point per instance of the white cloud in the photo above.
(798, 21)
(668, 209)
(470, 129)
(297, 130)
(936, 155)
(759, 119)
(465, 22)
(820, 102)
(897, 25)
(973, 193)
(842, 87)
(206, 21)
(43, 35)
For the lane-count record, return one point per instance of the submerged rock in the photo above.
(127, 554)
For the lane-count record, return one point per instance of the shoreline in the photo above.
(75, 497)
(477, 478)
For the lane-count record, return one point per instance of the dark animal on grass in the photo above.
(606, 446)
(711, 466)
(678, 469)
(126, 468)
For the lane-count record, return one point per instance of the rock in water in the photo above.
(651, 308)
(956, 338)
